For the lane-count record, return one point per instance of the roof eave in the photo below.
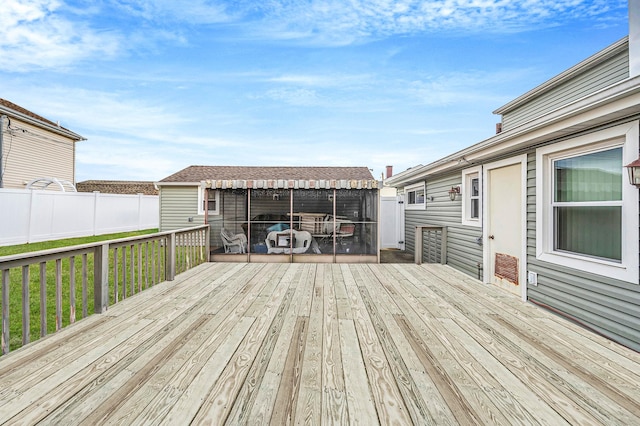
(38, 123)
(160, 183)
(224, 184)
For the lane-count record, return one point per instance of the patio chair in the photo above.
(233, 243)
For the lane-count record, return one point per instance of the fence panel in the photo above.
(14, 216)
(31, 216)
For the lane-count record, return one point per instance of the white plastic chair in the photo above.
(233, 243)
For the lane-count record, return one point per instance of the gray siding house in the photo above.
(277, 214)
(544, 209)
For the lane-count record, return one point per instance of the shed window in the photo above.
(209, 201)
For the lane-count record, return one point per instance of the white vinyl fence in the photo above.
(28, 216)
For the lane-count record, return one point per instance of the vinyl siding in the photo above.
(608, 306)
(463, 252)
(30, 152)
(177, 205)
(599, 77)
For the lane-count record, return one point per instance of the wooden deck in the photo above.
(305, 343)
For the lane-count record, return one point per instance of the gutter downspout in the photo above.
(2, 117)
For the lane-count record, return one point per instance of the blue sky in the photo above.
(158, 85)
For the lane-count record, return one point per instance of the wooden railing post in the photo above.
(170, 261)
(207, 243)
(101, 278)
(418, 246)
(5, 311)
(443, 246)
(26, 306)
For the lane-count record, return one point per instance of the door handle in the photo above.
(491, 237)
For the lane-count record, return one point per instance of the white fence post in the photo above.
(30, 214)
(95, 211)
(139, 211)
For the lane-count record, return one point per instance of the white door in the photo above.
(505, 251)
(392, 222)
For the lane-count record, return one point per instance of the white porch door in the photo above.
(392, 222)
(505, 249)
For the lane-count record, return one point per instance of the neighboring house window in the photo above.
(587, 212)
(472, 197)
(211, 202)
(415, 195)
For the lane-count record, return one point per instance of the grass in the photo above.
(45, 245)
(15, 283)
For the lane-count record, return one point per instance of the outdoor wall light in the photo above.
(634, 173)
(453, 192)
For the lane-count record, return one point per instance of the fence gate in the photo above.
(392, 222)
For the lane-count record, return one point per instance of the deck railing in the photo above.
(435, 244)
(43, 289)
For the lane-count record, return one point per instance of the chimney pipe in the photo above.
(634, 38)
(389, 171)
(498, 128)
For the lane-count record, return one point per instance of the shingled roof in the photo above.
(117, 187)
(223, 177)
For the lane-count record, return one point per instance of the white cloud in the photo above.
(321, 80)
(295, 96)
(337, 22)
(100, 157)
(33, 35)
(42, 34)
(463, 87)
(100, 111)
(194, 11)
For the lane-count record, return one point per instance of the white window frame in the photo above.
(625, 136)
(467, 176)
(201, 192)
(412, 188)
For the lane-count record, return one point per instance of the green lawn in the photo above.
(15, 279)
(45, 245)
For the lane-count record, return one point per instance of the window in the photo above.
(472, 197)
(586, 210)
(209, 202)
(587, 204)
(415, 195)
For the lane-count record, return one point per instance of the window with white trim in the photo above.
(587, 204)
(587, 212)
(472, 197)
(415, 196)
(211, 202)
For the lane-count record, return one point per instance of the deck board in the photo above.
(230, 343)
